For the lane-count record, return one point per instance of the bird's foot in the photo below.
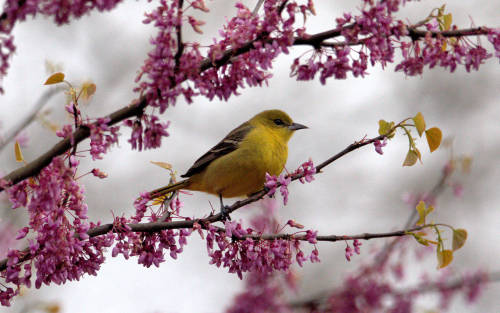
(224, 211)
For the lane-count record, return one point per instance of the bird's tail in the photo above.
(160, 192)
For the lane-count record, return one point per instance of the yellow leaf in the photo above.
(88, 89)
(459, 238)
(419, 123)
(17, 151)
(447, 19)
(444, 258)
(418, 154)
(55, 78)
(434, 137)
(466, 163)
(421, 213)
(164, 165)
(411, 158)
(444, 46)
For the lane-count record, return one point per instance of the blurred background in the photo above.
(361, 192)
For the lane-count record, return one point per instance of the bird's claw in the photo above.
(224, 211)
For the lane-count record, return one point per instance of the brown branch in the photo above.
(158, 226)
(42, 101)
(82, 132)
(476, 31)
(329, 238)
(321, 297)
(178, 28)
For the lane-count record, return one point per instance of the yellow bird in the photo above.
(237, 165)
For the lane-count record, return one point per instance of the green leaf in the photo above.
(459, 238)
(434, 136)
(411, 158)
(419, 123)
(17, 152)
(55, 78)
(384, 128)
(444, 258)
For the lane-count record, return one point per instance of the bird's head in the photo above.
(278, 122)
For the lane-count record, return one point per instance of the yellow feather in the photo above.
(238, 164)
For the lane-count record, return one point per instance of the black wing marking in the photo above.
(225, 146)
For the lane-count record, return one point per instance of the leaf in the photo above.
(459, 238)
(420, 239)
(411, 158)
(444, 258)
(447, 19)
(421, 212)
(88, 89)
(466, 164)
(386, 128)
(55, 78)
(419, 123)
(383, 127)
(418, 154)
(164, 165)
(434, 136)
(18, 153)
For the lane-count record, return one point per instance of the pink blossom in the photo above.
(379, 145)
(102, 137)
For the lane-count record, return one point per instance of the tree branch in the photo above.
(82, 132)
(31, 116)
(158, 226)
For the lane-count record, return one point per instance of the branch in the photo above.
(178, 28)
(159, 226)
(329, 238)
(28, 119)
(318, 299)
(82, 132)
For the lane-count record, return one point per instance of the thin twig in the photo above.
(10, 135)
(257, 7)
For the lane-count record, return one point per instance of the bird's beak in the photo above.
(297, 126)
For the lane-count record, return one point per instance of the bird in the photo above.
(237, 165)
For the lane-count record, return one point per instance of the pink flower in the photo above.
(379, 145)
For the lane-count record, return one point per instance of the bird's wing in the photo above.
(225, 146)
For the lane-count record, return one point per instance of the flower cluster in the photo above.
(379, 145)
(305, 173)
(349, 251)
(149, 137)
(149, 247)
(172, 62)
(15, 11)
(102, 136)
(59, 249)
(273, 182)
(241, 250)
(263, 293)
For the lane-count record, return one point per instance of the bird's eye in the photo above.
(278, 122)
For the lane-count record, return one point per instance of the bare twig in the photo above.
(10, 135)
(257, 7)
